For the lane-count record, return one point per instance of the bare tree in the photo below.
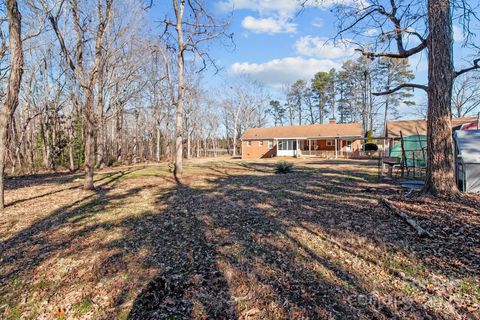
(194, 27)
(78, 65)
(10, 103)
(245, 105)
(466, 94)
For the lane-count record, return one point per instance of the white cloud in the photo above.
(273, 13)
(318, 22)
(278, 72)
(264, 7)
(371, 32)
(268, 25)
(281, 6)
(322, 48)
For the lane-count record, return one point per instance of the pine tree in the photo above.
(278, 112)
(393, 72)
(321, 83)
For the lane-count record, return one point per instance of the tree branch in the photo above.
(400, 55)
(405, 85)
(476, 65)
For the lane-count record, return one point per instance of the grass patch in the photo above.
(147, 172)
(16, 282)
(14, 313)
(410, 270)
(409, 290)
(83, 307)
(470, 286)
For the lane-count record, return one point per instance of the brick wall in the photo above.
(257, 151)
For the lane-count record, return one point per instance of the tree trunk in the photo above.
(89, 141)
(3, 151)
(440, 167)
(178, 171)
(235, 130)
(13, 86)
(118, 136)
(159, 137)
(71, 159)
(101, 137)
(189, 144)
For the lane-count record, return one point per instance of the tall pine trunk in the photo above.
(440, 167)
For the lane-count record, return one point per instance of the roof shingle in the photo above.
(328, 130)
(414, 127)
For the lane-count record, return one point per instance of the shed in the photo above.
(467, 160)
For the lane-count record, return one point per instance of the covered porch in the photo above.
(325, 147)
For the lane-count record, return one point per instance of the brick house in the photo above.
(327, 140)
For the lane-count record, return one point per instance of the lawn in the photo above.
(234, 241)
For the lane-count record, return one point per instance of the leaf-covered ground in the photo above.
(234, 241)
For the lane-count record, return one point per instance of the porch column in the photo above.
(309, 147)
(336, 149)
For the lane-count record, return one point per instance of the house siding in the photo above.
(255, 151)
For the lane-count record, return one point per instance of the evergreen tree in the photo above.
(278, 112)
(393, 72)
(321, 84)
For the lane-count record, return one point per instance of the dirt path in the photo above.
(236, 241)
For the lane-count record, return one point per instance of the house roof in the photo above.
(328, 130)
(414, 127)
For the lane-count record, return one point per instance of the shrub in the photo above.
(371, 147)
(369, 135)
(283, 167)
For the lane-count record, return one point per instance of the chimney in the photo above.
(332, 121)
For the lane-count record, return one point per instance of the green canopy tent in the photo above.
(415, 150)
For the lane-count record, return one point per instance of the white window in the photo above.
(260, 143)
(249, 143)
(270, 144)
(287, 144)
(330, 143)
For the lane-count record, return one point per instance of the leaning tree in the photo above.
(400, 29)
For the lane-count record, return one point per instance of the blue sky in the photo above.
(277, 45)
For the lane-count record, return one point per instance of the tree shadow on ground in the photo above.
(241, 246)
(244, 226)
(41, 178)
(28, 248)
(64, 180)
